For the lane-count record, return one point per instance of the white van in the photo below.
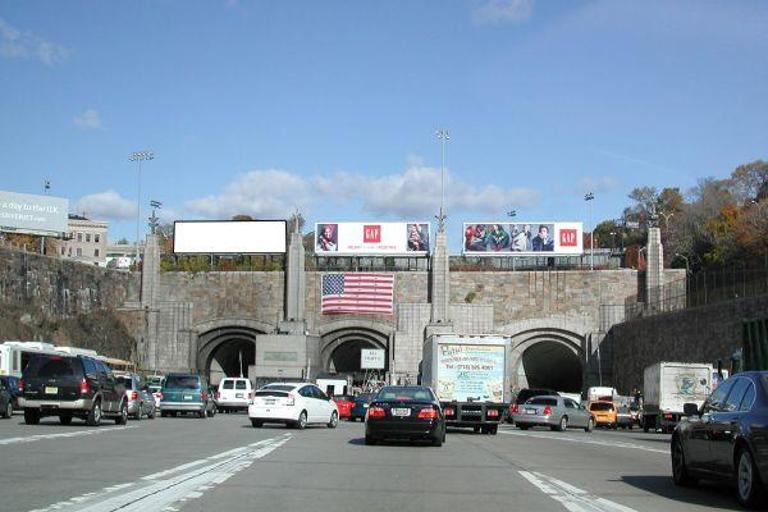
(235, 393)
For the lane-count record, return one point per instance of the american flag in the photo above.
(358, 293)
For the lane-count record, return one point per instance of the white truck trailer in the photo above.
(469, 375)
(667, 386)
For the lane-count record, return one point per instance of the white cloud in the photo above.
(412, 193)
(88, 120)
(106, 205)
(503, 11)
(15, 44)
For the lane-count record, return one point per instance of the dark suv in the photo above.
(68, 386)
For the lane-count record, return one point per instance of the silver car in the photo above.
(140, 399)
(555, 412)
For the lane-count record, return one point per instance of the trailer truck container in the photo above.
(469, 375)
(667, 386)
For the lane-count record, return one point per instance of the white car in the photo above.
(234, 394)
(296, 404)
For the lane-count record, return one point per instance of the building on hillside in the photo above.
(122, 256)
(86, 241)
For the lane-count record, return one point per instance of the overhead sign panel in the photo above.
(372, 359)
(370, 238)
(523, 238)
(229, 237)
(33, 213)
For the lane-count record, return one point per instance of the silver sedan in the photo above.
(555, 412)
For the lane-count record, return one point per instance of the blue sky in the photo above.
(263, 107)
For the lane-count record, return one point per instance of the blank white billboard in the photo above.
(229, 237)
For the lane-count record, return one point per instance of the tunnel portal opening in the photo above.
(552, 365)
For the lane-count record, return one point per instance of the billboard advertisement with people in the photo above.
(523, 238)
(386, 238)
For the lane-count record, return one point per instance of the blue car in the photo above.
(187, 393)
(361, 406)
(12, 385)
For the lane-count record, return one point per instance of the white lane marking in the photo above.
(156, 492)
(585, 440)
(44, 437)
(572, 498)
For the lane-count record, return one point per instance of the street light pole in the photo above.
(589, 197)
(444, 137)
(138, 157)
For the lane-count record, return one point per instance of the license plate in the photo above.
(270, 402)
(51, 390)
(365, 406)
(187, 397)
(530, 411)
(401, 411)
(238, 395)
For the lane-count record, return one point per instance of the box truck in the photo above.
(469, 375)
(667, 386)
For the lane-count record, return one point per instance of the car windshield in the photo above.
(182, 382)
(601, 406)
(542, 401)
(126, 381)
(405, 394)
(53, 366)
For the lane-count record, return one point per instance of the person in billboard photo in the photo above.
(543, 241)
(474, 238)
(497, 238)
(418, 238)
(327, 238)
(521, 238)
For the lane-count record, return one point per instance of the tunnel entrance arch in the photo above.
(341, 345)
(227, 348)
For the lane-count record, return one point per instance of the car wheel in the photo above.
(152, 414)
(370, 441)
(94, 415)
(203, 414)
(122, 418)
(334, 420)
(301, 424)
(476, 429)
(590, 425)
(749, 488)
(522, 427)
(563, 424)
(163, 414)
(493, 430)
(65, 419)
(256, 424)
(31, 416)
(438, 442)
(8, 410)
(680, 474)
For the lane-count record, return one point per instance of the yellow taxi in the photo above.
(604, 413)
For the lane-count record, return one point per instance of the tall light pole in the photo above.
(444, 137)
(589, 197)
(138, 157)
(512, 214)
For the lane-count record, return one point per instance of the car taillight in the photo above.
(135, 395)
(547, 410)
(668, 416)
(85, 388)
(450, 411)
(493, 413)
(377, 412)
(291, 400)
(513, 409)
(428, 413)
(20, 385)
(203, 395)
(159, 395)
(216, 395)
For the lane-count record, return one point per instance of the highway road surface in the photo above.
(224, 464)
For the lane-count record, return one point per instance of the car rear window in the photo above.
(183, 381)
(240, 384)
(267, 392)
(405, 394)
(526, 394)
(542, 401)
(126, 381)
(601, 407)
(278, 387)
(228, 384)
(53, 366)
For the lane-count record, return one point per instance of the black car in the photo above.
(6, 400)
(405, 412)
(71, 386)
(12, 385)
(727, 438)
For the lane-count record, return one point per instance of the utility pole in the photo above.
(138, 157)
(589, 197)
(444, 137)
